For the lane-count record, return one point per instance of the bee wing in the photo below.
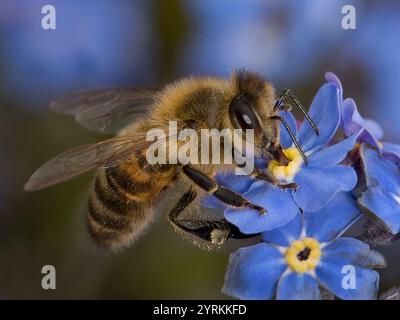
(76, 161)
(106, 110)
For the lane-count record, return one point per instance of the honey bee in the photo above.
(126, 187)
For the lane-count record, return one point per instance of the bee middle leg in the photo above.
(227, 196)
(214, 231)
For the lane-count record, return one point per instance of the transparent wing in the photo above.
(106, 110)
(76, 161)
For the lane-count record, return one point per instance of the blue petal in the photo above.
(333, 272)
(331, 221)
(352, 122)
(356, 251)
(318, 185)
(283, 236)
(286, 141)
(333, 154)
(279, 205)
(392, 152)
(324, 111)
(295, 286)
(260, 163)
(253, 272)
(238, 183)
(373, 127)
(332, 78)
(347, 110)
(380, 171)
(384, 204)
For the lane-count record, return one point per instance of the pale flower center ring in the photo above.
(287, 173)
(303, 255)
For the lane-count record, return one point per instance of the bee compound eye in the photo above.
(191, 124)
(243, 112)
(247, 119)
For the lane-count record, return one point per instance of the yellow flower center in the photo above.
(287, 173)
(303, 255)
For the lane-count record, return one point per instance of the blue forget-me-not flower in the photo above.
(296, 260)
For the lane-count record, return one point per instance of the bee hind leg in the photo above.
(215, 232)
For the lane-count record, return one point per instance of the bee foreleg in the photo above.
(260, 175)
(227, 196)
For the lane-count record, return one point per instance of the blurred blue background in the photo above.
(119, 43)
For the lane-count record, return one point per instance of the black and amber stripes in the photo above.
(120, 203)
(117, 207)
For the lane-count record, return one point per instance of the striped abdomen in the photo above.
(121, 200)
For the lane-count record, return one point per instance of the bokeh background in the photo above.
(118, 43)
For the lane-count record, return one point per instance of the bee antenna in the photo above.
(293, 137)
(297, 103)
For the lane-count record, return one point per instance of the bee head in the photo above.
(252, 107)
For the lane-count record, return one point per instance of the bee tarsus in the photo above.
(292, 185)
(261, 175)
